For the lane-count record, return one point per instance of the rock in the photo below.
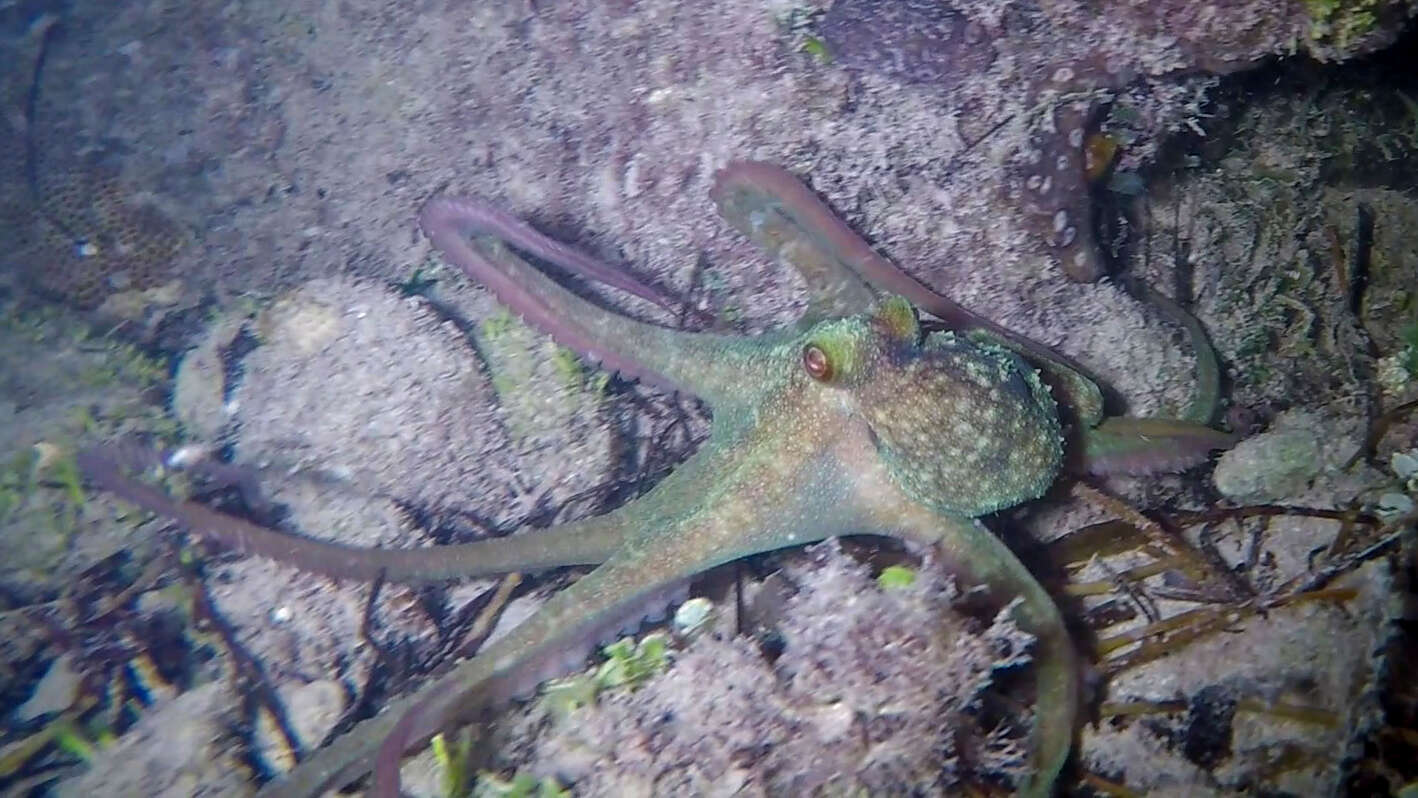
(313, 709)
(176, 746)
(1275, 464)
(55, 692)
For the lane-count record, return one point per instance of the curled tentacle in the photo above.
(770, 205)
(475, 237)
(979, 558)
(1123, 445)
(1206, 390)
(574, 620)
(481, 218)
(785, 219)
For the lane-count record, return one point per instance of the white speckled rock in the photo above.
(1281, 462)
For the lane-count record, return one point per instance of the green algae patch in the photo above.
(1342, 22)
(63, 384)
(628, 664)
(895, 577)
(540, 384)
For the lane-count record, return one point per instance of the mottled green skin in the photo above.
(899, 435)
(792, 460)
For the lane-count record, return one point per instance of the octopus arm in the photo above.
(584, 542)
(1124, 445)
(773, 207)
(1206, 391)
(1140, 446)
(551, 642)
(666, 550)
(477, 238)
(978, 557)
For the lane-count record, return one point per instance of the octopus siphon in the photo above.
(856, 419)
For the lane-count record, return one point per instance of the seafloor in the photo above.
(208, 243)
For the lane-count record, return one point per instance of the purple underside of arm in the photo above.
(402, 737)
(477, 217)
(330, 559)
(451, 223)
(1141, 446)
(818, 220)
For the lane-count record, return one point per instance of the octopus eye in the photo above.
(816, 363)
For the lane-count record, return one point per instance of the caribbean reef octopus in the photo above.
(856, 419)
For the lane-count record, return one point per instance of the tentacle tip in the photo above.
(1146, 446)
(742, 172)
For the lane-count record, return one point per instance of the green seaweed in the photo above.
(895, 577)
(628, 664)
(453, 762)
(1341, 22)
(568, 367)
(816, 48)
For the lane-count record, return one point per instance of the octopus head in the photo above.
(963, 426)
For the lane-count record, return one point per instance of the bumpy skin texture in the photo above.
(850, 422)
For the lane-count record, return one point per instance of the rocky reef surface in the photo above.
(233, 187)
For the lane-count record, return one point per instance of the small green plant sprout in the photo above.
(47, 465)
(895, 577)
(693, 616)
(1341, 21)
(522, 785)
(453, 762)
(73, 742)
(17, 481)
(597, 383)
(568, 367)
(1409, 357)
(564, 696)
(628, 664)
(798, 23)
(82, 418)
(61, 732)
(816, 48)
(60, 466)
(498, 324)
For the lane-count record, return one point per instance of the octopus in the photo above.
(1071, 61)
(862, 417)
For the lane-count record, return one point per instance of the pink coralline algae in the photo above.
(1069, 60)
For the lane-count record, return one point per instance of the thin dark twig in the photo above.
(249, 671)
(1214, 515)
(366, 621)
(488, 616)
(1378, 429)
(1135, 592)
(1390, 535)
